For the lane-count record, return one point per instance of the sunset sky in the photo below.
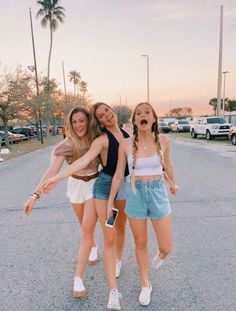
(104, 41)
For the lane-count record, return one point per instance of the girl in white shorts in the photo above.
(79, 188)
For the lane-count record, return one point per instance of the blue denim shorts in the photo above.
(149, 201)
(102, 187)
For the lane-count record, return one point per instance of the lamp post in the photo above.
(34, 68)
(219, 84)
(224, 73)
(147, 57)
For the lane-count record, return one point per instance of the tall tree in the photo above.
(83, 89)
(15, 91)
(51, 14)
(74, 77)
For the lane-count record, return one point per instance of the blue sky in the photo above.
(104, 41)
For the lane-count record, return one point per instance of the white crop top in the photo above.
(146, 166)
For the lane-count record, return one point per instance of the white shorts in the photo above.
(79, 191)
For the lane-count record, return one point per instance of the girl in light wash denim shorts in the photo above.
(148, 155)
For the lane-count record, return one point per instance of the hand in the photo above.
(109, 211)
(29, 204)
(174, 189)
(48, 185)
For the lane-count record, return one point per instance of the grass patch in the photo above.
(200, 138)
(18, 149)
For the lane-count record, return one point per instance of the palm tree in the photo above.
(83, 88)
(51, 14)
(74, 77)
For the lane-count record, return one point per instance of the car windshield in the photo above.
(163, 124)
(216, 120)
(183, 122)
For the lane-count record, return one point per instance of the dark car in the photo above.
(27, 131)
(2, 137)
(164, 127)
(232, 135)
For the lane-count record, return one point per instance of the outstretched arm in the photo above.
(169, 169)
(119, 175)
(76, 166)
(56, 164)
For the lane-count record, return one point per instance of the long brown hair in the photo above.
(156, 132)
(95, 123)
(77, 149)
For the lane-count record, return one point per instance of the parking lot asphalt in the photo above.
(38, 252)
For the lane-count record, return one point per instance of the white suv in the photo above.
(210, 126)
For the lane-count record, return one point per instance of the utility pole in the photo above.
(224, 73)
(64, 80)
(36, 79)
(147, 57)
(220, 64)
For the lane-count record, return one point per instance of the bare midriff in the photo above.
(148, 178)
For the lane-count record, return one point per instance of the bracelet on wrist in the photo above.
(35, 196)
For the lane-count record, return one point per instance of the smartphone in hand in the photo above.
(111, 220)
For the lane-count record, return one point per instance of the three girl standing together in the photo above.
(147, 195)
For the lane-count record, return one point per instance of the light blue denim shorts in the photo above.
(149, 201)
(102, 187)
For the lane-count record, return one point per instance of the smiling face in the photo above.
(105, 116)
(144, 116)
(79, 123)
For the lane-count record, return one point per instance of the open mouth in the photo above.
(143, 122)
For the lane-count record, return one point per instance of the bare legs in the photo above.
(87, 217)
(87, 236)
(109, 243)
(139, 230)
(120, 227)
(163, 232)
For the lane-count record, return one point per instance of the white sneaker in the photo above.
(157, 261)
(114, 300)
(118, 267)
(145, 295)
(79, 289)
(93, 256)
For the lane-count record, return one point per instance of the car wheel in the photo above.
(193, 134)
(208, 135)
(233, 139)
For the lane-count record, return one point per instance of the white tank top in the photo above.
(146, 166)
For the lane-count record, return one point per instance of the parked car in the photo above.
(28, 132)
(2, 137)
(164, 127)
(180, 126)
(210, 127)
(232, 135)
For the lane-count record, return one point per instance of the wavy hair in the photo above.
(77, 149)
(96, 125)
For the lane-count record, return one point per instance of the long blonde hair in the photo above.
(95, 123)
(77, 149)
(155, 130)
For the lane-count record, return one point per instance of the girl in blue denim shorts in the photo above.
(148, 155)
(104, 122)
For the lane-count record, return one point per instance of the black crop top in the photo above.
(112, 155)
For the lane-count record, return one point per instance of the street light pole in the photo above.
(147, 57)
(36, 78)
(224, 73)
(219, 85)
